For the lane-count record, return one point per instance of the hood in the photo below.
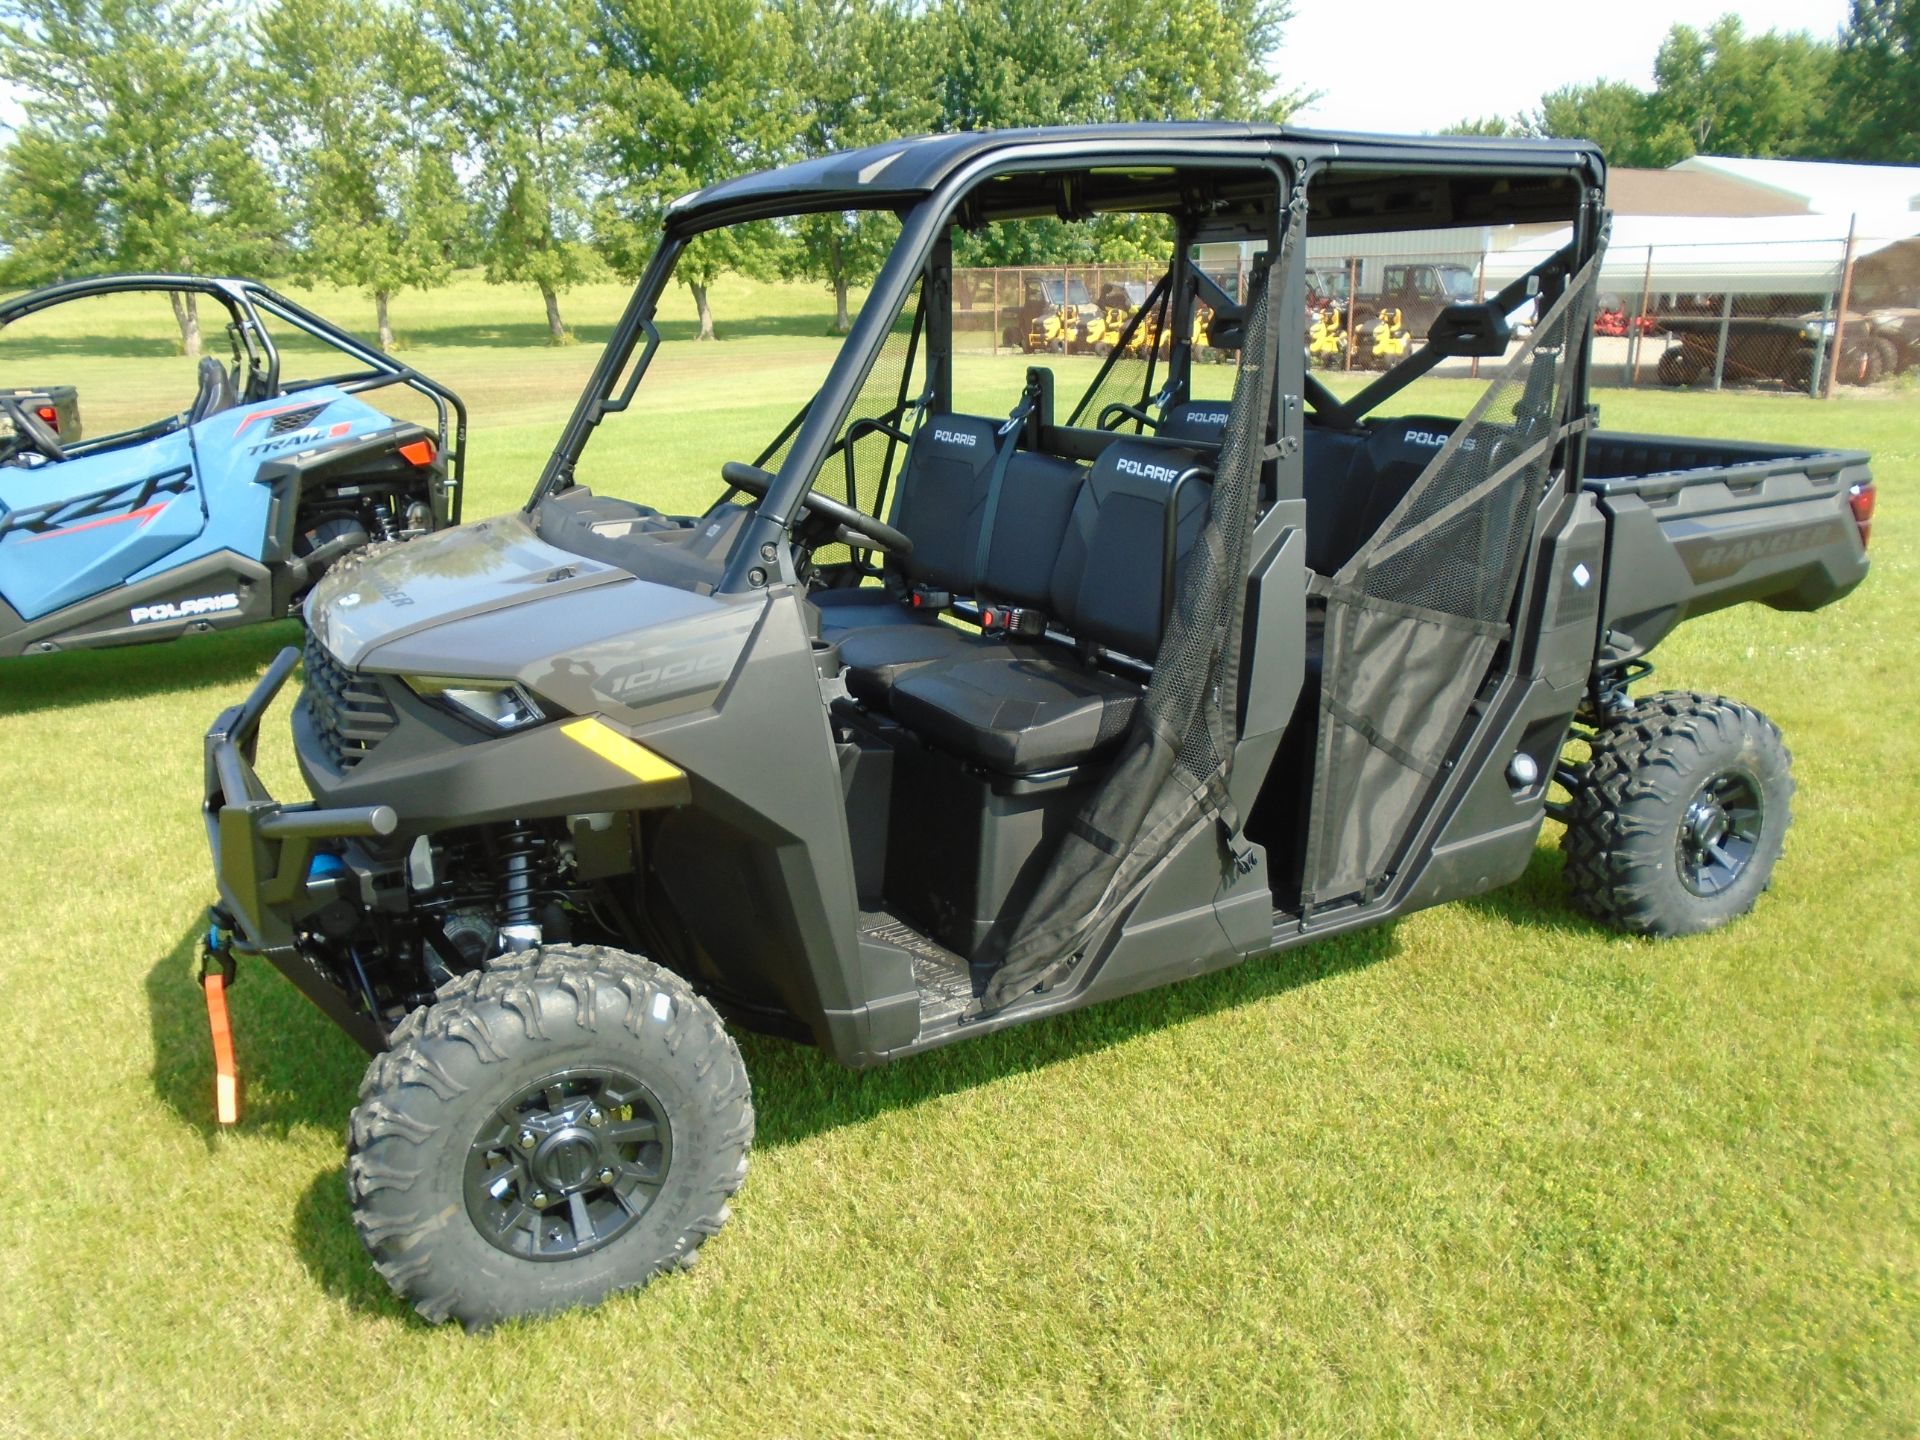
(388, 592)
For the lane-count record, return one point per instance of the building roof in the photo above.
(1693, 192)
(1825, 187)
(1750, 255)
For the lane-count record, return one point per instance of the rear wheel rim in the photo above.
(1720, 832)
(568, 1164)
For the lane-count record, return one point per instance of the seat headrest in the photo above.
(1137, 467)
(1408, 440)
(966, 438)
(1201, 420)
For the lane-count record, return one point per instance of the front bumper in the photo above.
(262, 851)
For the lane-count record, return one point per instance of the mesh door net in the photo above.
(1169, 781)
(1415, 619)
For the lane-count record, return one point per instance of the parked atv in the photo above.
(1327, 339)
(1387, 341)
(937, 723)
(225, 513)
(55, 406)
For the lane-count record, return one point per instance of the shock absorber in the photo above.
(382, 519)
(517, 848)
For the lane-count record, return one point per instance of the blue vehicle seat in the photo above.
(216, 391)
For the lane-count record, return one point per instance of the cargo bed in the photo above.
(1696, 525)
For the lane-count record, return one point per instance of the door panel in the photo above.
(72, 529)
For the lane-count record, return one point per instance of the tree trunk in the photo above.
(556, 331)
(380, 299)
(841, 324)
(706, 310)
(186, 313)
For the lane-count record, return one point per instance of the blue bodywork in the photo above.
(72, 529)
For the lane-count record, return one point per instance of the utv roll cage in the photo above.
(1359, 186)
(255, 353)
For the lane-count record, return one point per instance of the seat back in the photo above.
(215, 393)
(940, 498)
(1108, 586)
(1353, 482)
(1037, 497)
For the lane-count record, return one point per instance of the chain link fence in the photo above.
(1820, 304)
(1069, 309)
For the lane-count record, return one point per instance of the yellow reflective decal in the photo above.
(630, 755)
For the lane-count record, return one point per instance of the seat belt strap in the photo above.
(1003, 456)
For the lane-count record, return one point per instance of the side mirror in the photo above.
(1470, 330)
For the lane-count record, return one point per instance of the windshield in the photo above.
(729, 353)
(1458, 282)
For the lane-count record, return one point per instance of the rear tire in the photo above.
(1886, 358)
(1681, 817)
(1861, 364)
(1679, 366)
(545, 1135)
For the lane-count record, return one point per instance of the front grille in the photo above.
(350, 712)
(293, 419)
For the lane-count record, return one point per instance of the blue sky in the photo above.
(1417, 65)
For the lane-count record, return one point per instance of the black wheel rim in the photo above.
(568, 1164)
(1719, 833)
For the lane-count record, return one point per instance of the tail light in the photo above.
(1860, 501)
(49, 417)
(418, 452)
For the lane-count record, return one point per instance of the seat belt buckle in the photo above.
(1011, 620)
(922, 598)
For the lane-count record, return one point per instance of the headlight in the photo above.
(1819, 330)
(498, 705)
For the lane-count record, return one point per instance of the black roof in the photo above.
(918, 165)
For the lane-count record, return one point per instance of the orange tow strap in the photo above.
(226, 1075)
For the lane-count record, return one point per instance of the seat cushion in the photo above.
(1018, 716)
(860, 607)
(874, 660)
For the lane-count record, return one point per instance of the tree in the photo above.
(858, 77)
(1613, 115)
(1726, 92)
(1205, 60)
(1029, 62)
(1494, 125)
(687, 101)
(367, 144)
(136, 153)
(521, 79)
(1876, 84)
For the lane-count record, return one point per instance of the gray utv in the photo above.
(945, 718)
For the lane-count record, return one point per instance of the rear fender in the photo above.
(1686, 545)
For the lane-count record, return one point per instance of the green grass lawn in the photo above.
(1488, 1171)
